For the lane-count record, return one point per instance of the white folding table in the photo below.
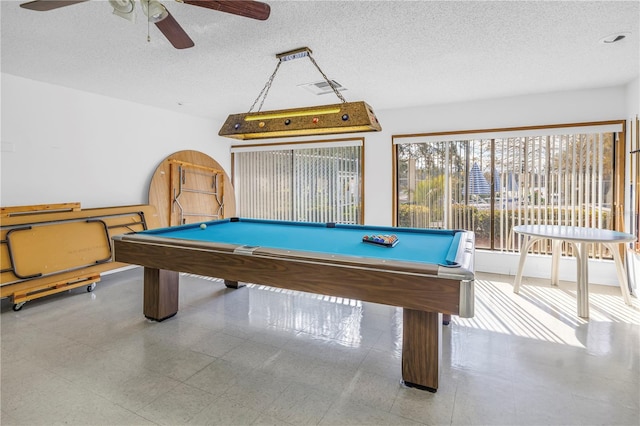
(580, 238)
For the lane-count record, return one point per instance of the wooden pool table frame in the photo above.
(424, 291)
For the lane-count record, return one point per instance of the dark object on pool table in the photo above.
(381, 240)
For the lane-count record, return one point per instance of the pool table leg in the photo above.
(160, 293)
(421, 349)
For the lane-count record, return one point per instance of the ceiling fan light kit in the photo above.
(345, 117)
(154, 11)
(124, 8)
(161, 17)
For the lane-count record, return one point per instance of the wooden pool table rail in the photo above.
(342, 276)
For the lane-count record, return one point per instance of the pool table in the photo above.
(428, 272)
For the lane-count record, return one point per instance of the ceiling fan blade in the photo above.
(45, 5)
(174, 32)
(248, 9)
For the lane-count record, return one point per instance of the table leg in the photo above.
(421, 349)
(556, 247)
(160, 293)
(524, 249)
(582, 255)
(622, 273)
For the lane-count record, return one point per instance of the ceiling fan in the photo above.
(159, 15)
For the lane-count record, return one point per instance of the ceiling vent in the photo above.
(322, 87)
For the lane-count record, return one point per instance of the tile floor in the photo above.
(262, 356)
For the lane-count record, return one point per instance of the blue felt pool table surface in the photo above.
(432, 246)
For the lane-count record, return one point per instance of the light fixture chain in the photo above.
(265, 90)
(329, 82)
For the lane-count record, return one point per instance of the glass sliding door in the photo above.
(311, 182)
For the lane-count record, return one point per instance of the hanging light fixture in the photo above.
(344, 117)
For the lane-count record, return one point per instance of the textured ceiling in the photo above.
(390, 54)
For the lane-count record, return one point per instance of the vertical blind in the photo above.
(307, 182)
(491, 182)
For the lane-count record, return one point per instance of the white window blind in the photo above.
(310, 182)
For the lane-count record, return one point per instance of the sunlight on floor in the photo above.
(329, 318)
(539, 312)
(543, 312)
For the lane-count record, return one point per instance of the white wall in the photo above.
(633, 111)
(63, 145)
(633, 97)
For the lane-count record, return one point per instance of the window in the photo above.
(634, 181)
(489, 182)
(308, 182)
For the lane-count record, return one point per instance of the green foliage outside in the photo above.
(479, 220)
(413, 216)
